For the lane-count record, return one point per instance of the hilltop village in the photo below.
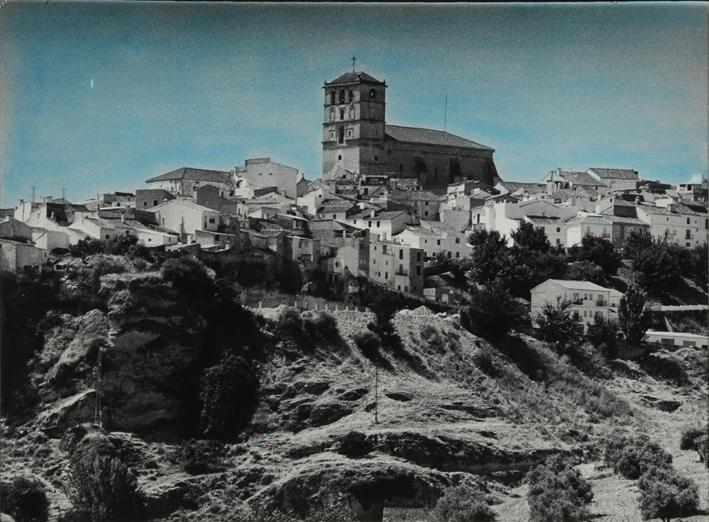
(411, 336)
(392, 206)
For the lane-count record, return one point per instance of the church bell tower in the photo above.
(353, 125)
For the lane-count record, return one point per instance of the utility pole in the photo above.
(376, 394)
(445, 115)
(98, 417)
(63, 192)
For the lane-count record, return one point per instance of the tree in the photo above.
(585, 271)
(104, 488)
(665, 494)
(188, 276)
(488, 256)
(696, 439)
(462, 504)
(368, 342)
(633, 456)
(493, 312)
(603, 334)
(528, 237)
(355, 445)
(228, 396)
(24, 499)
(598, 251)
(633, 316)
(556, 325)
(558, 492)
(638, 240)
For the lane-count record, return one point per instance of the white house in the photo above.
(588, 300)
(185, 180)
(676, 223)
(678, 339)
(184, 217)
(616, 179)
(262, 172)
(382, 224)
(597, 225)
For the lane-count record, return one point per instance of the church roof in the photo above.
(353, 77)
(431, 137)
(604, 173)
(190, 173)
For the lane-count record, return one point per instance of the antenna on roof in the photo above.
(63, 193)
(445, 115)
(354, 59)
(34, 190)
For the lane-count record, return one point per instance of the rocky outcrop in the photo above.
(79, 408)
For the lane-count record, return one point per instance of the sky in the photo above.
(99, 97)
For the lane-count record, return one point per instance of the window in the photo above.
(342, 114)
(155, 202)
(339, 157)
(457, 254)
(426, 213)
(349, 133)
(334, 216)
(107, 236)
(341, 137)
(145, 203)
(384, 250)
(418, 256)
(688, 234)
(373, 93)
(418, 270)
(211, 220)
(379, 224)
(376, 158)
(332, 97)
(438, 242)
(370, 226)
(558, 229)
(342, 96)
(688, 221)
(401, 254)
(352, 113)
(386, 275)
(332, 114)
(351, 95)
(332, 135)
(149, 240)
(457, 241)
(401, 167)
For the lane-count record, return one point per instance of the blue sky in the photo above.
(100, 97)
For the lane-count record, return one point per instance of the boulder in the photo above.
(68, 412)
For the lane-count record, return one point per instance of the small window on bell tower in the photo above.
(342, 114)
(342, 96)
(351, 95)
(373, 93)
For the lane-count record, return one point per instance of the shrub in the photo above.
(201, 456)
(556, 325)
(633, 316)
(86, 247)
(462, 504)
(598, 251)
(631, 457)
(228, 394)
(493, 312)
(690, 437)
(290, 323)
(483, 361)
(557, 491)
(703, 449)
(103, 486)
(665, 494)
(368, 342)
(323, 324)
(603, 334)
(355, 445)
(24, 499)
(188, 276)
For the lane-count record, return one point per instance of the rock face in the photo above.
(68, 412)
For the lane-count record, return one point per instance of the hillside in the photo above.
(449, 407)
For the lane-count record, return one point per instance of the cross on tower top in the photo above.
(354, 59)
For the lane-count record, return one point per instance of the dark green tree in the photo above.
(493, 311)
(633, 316)
(585, 271)
(490, 252)
(528, 237)
(462, 504)
(598, 251)
(665, 494)
(556, 325)
(558, 492)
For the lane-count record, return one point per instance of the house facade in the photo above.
(396, 266)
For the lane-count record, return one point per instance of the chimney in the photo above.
(123, 217)
(371, 213)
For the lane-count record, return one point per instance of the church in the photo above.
(357, 141)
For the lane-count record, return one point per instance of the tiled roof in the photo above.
(596, 219)
(216, 176)
(431, 137)
(516, 185)
(624, 220)
(578, 285)
(582, 178)
(543, 220)
(419, 232)
(615, 173)
(185, 202)
(335, 205)
(353, 77)
(379, 216)
(414, 195)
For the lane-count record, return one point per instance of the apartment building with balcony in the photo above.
(588, 300)
(396, 266)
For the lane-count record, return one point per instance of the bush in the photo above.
(556, 325)
(603, 334)
(228, 395)
(493, 312)
(633, 456)
(103, 486)
(665, 494)
(188, 276)
(633, 316)
(368, 342)
(24, 499)
(557, 491)
(201, 456)
(322, 324)
(703, 449)
(690, 437)
(355, 445)
(598, 251)
(462, 504)
(290, 323)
